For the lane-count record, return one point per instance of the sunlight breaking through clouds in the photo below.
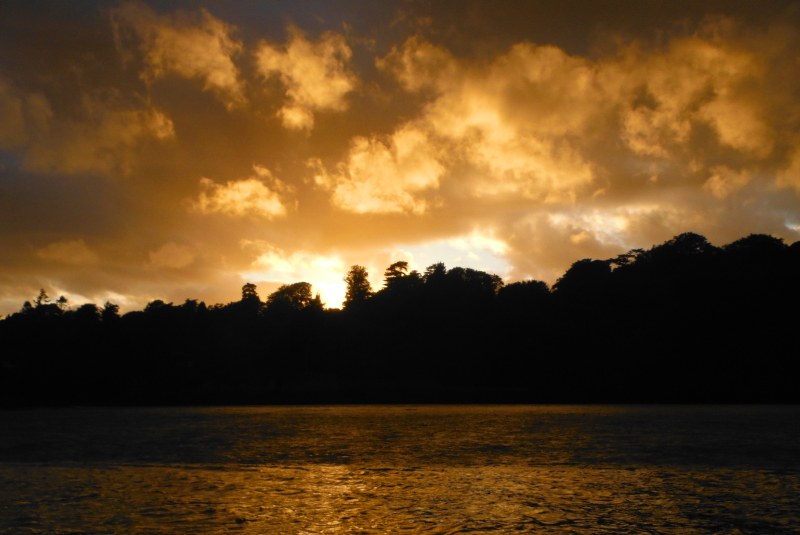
(273, 264)
(142, 143)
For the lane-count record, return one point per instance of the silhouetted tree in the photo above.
(686, 246)
(249, 292)
(626, 259)
(291, 296)
(586, 278)
(393, 273)
(756, 248)
(358, 287)
(250, 304)
(110, 312)
(44, 308)
(27, 308)
(88, 313)
(156, 306)
(400, 286)
(42, 298)
(435, 274)
(523, 294)
(682, 321)
(317, 303)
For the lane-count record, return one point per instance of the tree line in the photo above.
(683, 321)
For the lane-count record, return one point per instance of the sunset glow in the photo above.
(178, 149)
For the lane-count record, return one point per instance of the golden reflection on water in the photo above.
(334, 499)
(423, 470)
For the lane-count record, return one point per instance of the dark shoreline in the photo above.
(683, 322)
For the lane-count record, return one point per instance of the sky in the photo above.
(179, 149)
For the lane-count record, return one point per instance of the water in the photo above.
(427, 469)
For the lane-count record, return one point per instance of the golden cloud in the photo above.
(535, 121)
(315, 75)
(419, 65)
(603, 154)
(693, 81)
(482, 240)
(192, 47)
(725, 181)
(513, 121)
(554, 152)
(388, 176)
(261, 196)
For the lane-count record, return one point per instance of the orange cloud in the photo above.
(192, 47)
(74, 252)
(389, 176)
(172, 256)
(419, 64)
(102, 142)
(725, 181)
(482, 143)
(695, 80)
(100, 136)
(315, 75)
(260, 196)
(513, 120)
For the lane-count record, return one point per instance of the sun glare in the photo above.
(324, 273)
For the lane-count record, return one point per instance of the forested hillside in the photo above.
(683, 321)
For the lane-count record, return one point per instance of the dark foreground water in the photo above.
(427, 469)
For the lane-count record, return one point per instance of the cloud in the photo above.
(725, 181)
(102, 141)
(172, 256)
(643, 129)
(419, 65)
(482, 241)
(259, 196)
(196, 46)
(74, 252)
(24, 116)
(695, 80)
(512, 121)
(789, 177)
(384, 176)
(464, 137)
(99, 135)
(534, 121)
(570, 157)
(315, 75)
(542, 245)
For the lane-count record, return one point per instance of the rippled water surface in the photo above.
(420, 469)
